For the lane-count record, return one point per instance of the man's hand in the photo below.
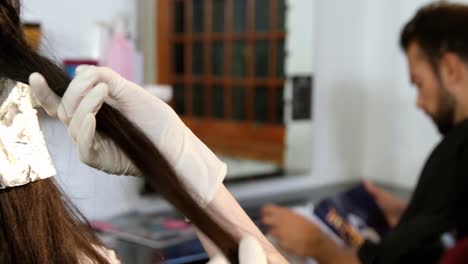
(293, 232)
(392, 206)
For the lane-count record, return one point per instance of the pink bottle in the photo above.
(120, 53)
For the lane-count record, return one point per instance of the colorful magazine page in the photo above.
(353, 216)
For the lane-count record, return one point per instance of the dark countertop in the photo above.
(132, 252)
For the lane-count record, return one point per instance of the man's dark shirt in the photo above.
(438, 205)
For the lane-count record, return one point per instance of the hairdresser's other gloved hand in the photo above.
(197, 166)
(250, 252)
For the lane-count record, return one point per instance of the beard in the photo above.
(444, 119)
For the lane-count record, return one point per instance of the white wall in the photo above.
(69, 31)
(70, 26)
(340, 94)
(367, 123)
(146, 39)
(300, 25)
(399, 136)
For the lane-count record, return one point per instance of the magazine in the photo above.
(352, 217)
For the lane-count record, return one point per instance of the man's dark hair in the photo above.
(438, 28)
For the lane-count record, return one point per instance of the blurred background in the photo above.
(296, 96)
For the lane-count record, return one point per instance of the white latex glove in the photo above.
(250, 252)
(196, 165)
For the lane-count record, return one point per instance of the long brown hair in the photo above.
(58, 237)
(39, 225)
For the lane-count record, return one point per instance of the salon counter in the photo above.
(189, 250)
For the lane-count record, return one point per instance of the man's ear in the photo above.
(451, 69)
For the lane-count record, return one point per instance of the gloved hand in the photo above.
(196, 165)
(250, 252)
